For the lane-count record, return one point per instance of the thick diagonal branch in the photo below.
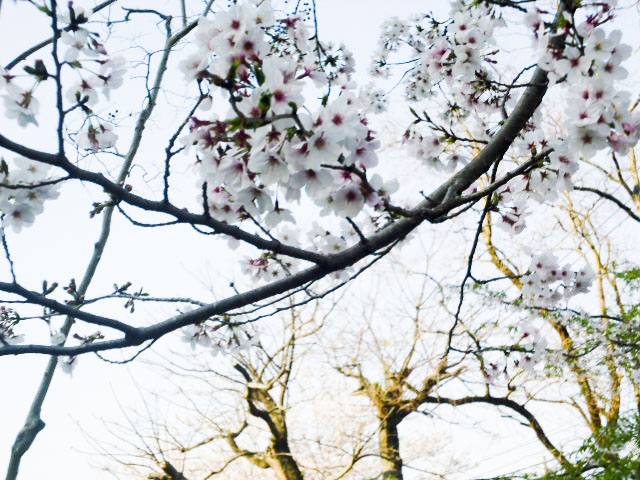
(516, 407)
(325, 264)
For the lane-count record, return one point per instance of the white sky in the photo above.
(93, 392)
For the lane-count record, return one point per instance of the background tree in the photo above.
(284, 408)
(572, 359)
(525, 372)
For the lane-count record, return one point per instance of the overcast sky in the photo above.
(93, 392)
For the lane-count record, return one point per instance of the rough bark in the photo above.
(390, 448)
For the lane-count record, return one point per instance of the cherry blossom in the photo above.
(9, 319)
(22, 106)
(97, 138)
(78, 44)
(277, 215)
(111, 75)
(348, 200)
(282, 124)
(84, 92)
(68, 364)
(374, 99)
(20, 204)
(548, 283)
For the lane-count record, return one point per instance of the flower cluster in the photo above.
(229, 340)
(522, 347)
(318, 239)
(97, 74)
(459, 56)
(455, 57)
(20, 103)
(267, 150)
(541, 184)
(374, 99)
(532, 342)
(431, 149)
(85, 48)
(23, 191)
(268, 267)
(598, 114)
(529, 350)
(84, 53)
(547, 283)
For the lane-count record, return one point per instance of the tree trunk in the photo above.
(282, 461)
(390, 448)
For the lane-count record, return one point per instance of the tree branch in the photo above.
(516, 407)
(325, 264)
(611, 198)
